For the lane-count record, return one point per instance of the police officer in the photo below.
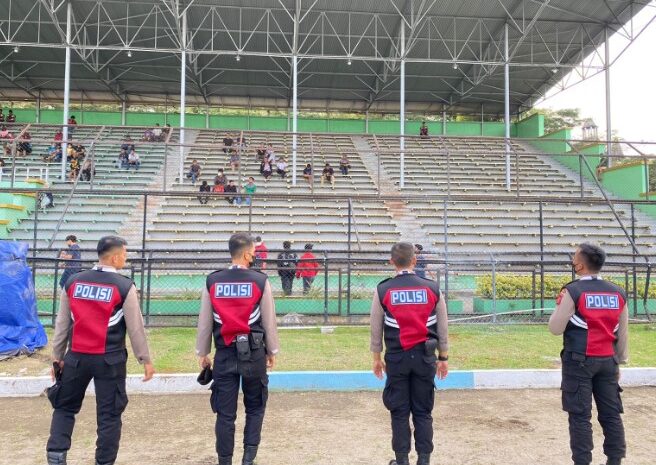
(98, 307)
(238, 312)
(410, 313)
(592, 316)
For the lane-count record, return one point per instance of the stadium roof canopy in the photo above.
(349, 52)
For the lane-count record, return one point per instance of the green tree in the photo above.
(555, 120)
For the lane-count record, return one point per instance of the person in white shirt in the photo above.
(133, 160)
(282, 168)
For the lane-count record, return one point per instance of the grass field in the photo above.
(472, 347)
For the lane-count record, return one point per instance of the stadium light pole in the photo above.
(506, 99)
(609, 132)
(183, 92)
(402, 108)
(67, 87)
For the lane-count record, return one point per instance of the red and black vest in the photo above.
(410, 317)
(96, 300)
(592, 330)
(235, 294)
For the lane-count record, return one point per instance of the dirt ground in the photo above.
(523, 427)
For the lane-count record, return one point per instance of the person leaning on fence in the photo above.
(97, 309)
(287, 262)
(410, 314)
(307, 268)
(593, 318)
(238, 310)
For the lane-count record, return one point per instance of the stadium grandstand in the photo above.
(415, 118)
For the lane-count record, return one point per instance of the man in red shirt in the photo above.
(261, 253)
(307, 268)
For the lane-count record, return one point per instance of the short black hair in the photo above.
(108, 243)
(71, 237)
(402, 254)
(419, 247)
(308, 246)
(238, 242)
(258, 239)
(593, 256)
(286, 245)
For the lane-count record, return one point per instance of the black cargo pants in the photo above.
(108, 373)
(410, 388)
(583, 378)
(225, 391)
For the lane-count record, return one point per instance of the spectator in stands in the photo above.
(261, 253)
(157, 133)
(74, 166)
(72, 124)
(133, 159)
(46, 200)
(166, 131)
(54, 154)
(423, 130)
(266, 170)
(287, 261)
(72, 253)
(249, 190)
(11, 118)
(241, 142)
(2, 164)
(420, 267)
(76, 148)
(328, 175)
(122, 161)
(227, 144)
(271, 155)
(127, 143)
(344, 165)
(148, 135)
(231, 188)
(5, 134)
(59, 137)
(2, 116)
(307, 174)
(281, 168)
(204, 189)
(234, 160)
(220, 179)
(24, 147)
(261, 153)
(88, 170)
(194, 171)
(307, 268)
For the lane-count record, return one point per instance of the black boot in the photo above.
(617, 461)
(56, 458)
(225, 460)
(401, 459)
(423, 459)
(249, 455)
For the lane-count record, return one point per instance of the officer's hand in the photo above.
(379, 368)
(442, 369)
(204, 362)
(149, 371)
(271, 361)
(52, 368)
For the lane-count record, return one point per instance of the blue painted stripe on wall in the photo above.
(352, 381)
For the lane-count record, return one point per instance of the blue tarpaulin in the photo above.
(21, 331)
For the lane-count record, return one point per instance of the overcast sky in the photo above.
(633, 87)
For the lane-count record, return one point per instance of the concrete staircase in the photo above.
(403, 217)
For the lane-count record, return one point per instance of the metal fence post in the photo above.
(13, 163)
(250, 214)
(143, 226)
(54, 293)
(339, 292)
(494, 289)
(148, 288)
(348, 263)
(541, 219)
(633, 258)
(325, 288)
(581, 174)
(36, 223)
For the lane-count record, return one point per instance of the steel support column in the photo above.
(124, 109)
(609, 128)
(402, 109)
(294, 116)
(67, 86)
(183, 92)
(366, 122)
(506, 100)
(38, 108)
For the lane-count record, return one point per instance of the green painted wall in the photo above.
(627, 182)
(15, 216)
(531, 127)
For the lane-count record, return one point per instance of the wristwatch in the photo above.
(443, 358)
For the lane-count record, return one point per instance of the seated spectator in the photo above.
(344, 165)
(328, 175)
(234, 160)
(281, 168)
(271, 156)
(2, 116)
(59, 136)
(24, 147)
(241, 142)
(266, 170)
(261, 153)
(72, 124)
(231, 188)
(227, 144)
(166, 131)
(46, 200)
(148, 135)
(122, 161)
(2, 163)
(5, 134)
(194, 171)
(133, 160)
(423, 130)
(11, 118)
(127, 143)
(249, 189)
(220, 179)
(54, 154)
(88, 170)
(75, 167)
(157, 133)
(204, 189)
(307, 174)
